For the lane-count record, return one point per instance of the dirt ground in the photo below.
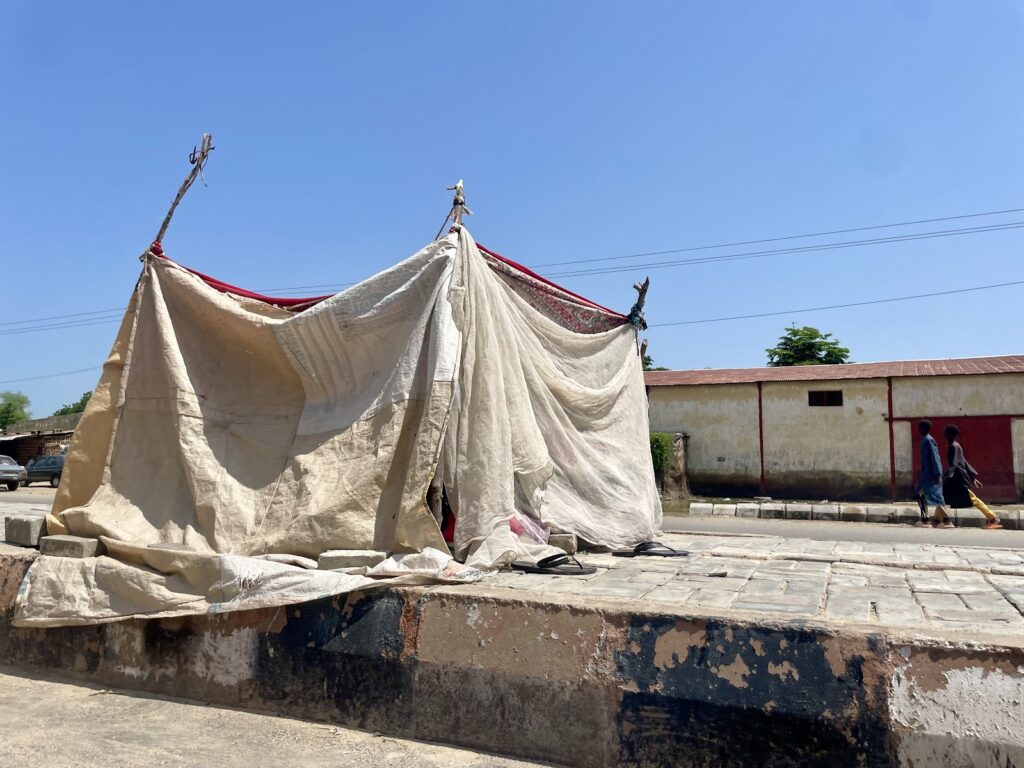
(49, 722)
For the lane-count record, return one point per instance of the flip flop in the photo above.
(650, 549)
(558, 565)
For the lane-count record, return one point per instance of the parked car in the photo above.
(12, 474)
(48, 469)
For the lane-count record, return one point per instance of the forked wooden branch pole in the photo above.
(198, 159)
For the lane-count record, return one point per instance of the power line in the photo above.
(778, 239)
(841, 306)
(63, 326)
(869, 302)
(61, 317)
(94, 317)
(797, 249)
(51, 375)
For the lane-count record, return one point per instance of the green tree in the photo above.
(76, 407)
(649, 364)
(661, 445)
(806, 346)
(13, 408)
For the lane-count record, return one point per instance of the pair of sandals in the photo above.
(567, 565)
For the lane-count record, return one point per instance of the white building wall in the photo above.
(981, 395)
(827, 451)
(831, 451)
(724, 447)
(1017, 434)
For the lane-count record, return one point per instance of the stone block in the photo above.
(853, 513)
(880, 514)
(908, 515)
(564, 541)
(773, 511)
(24, 530)
(798, 511)
(701, 509)
(171, 547)
(350, 558)
(70, 546)
(724, 510)
(825, 511)
(968, 517)
(747, 509)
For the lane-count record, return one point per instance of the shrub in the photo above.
(661, 444)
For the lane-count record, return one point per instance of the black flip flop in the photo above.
(558, 565)
(651, 549)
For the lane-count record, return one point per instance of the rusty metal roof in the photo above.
(900, 368)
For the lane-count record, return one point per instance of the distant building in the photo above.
(38, 437)
(842, 431)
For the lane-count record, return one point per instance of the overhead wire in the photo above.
(779, 239)
(50, 375)
(889, 300)
(931, 294)
(798, 249)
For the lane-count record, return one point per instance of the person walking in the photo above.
(960, 476)
(929, 482)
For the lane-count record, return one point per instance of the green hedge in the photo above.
(661, 445)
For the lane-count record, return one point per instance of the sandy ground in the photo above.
(48, 722)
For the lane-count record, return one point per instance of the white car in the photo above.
(12, 474)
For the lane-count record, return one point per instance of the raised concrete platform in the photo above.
(647, 663)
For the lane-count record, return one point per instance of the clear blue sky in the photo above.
(583, 130)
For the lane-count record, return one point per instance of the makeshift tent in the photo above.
(233, 437)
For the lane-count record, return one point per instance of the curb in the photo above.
(1012, 519)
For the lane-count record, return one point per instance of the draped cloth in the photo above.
(231, 441)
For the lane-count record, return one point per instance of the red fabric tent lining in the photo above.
(541, 278)
(300, 304)
(220, 285)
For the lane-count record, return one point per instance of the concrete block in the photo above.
(909, 515)
(881, 514)
(724, 510)
(565, 542)
(24, 530)
(747, 509)
(350, 558)
(773, 511)
(852, 513)
(825, 511)
(968, 518)
(701, 509)
(798, 511)
(70, 546)
(1010, 518)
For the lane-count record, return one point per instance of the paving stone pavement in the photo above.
(970, 590)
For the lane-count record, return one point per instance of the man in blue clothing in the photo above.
(929, 483)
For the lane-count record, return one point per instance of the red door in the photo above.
(989, 449)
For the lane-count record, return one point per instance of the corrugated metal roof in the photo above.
(900, 368)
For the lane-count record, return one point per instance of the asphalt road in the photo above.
(41, 496)
(59, 724)
(821, 530)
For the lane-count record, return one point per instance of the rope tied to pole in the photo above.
(458, 209)
(198, 158)
(636, 314)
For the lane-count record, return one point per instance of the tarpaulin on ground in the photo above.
(230, 440)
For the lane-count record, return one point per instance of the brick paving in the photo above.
(969, 590)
